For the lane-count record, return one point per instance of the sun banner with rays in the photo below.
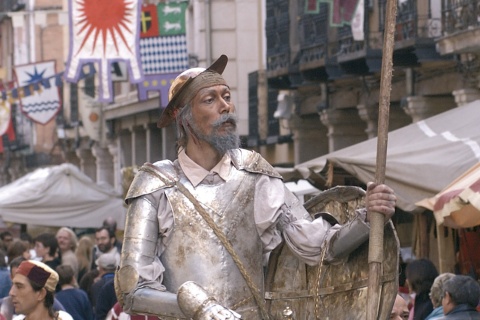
(39, 106)
(103, 32)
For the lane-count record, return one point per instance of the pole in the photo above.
(377, 223)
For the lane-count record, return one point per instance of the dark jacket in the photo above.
(462, 312)
(423, 306)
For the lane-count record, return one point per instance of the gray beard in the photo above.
(220, 142)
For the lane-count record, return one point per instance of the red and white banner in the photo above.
(5, 108)
(104, 32)
(43, 105)
(5, 116)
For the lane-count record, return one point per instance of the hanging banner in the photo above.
(341, 11)
(103, 32)
(5, 108)
(156, 82)
(149, 21)
(40, 106)
(165, 56)
(5, 116)
(358, 21)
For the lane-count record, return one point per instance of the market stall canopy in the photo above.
(422, 158)
(60, 196)
(458, 205)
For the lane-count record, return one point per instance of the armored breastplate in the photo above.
(195, 253)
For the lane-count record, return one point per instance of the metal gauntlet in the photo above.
(197, 304)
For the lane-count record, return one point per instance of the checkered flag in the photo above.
(165, 54)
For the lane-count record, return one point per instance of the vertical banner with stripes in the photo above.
(163, 55)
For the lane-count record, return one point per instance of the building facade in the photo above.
(304, 78)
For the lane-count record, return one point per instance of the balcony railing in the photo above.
(460, 15)
(313, 34)
(345, 43)
(410, 24)
(278, 37)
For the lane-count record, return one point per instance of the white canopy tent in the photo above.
(60, 196)
(422, 158)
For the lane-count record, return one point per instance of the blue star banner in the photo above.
(36, 83)
(42, 106)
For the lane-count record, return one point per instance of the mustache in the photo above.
(226, 118)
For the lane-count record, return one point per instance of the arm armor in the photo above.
(348, 238)
(139, 249)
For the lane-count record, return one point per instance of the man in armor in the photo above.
(199, 229)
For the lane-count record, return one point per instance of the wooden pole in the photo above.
(377, 222)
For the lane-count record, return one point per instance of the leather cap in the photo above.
(186, 86)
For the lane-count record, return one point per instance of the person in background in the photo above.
(67, 243)
(46, 248)
(400, 309)
(5, 280)
(436, 295)
(28, 240)
(104, 244)
(103, 290)
(84, 255)
(87, 282)
(461, 295)
(17, 249)
(420, 276)
(33, 292)
(74, 300)
(107, 264)
(7, 238)
(111, 224)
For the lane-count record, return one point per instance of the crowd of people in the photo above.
(434, 296)
(75, 275)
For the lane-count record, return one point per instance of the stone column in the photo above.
(126, 151)
(169, 142)
(114, 150)
(87, 162)
(345, 128)
(133, 146)
(4, 178)
(155, 149)
(369, 114)
(148, 142)
(139, 140)
(16, 168)
(310, 137)
(466, 95)
(104, 164)
(421, 107)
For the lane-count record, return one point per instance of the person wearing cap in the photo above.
(32, 292)
(106, 264)
(198, 228)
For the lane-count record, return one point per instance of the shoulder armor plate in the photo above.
(253, 162)
(152, 177)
